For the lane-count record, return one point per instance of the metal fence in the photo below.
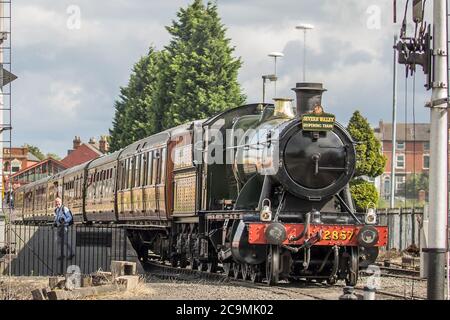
(37, 249)
(404, 225)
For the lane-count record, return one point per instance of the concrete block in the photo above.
(410, 261)
(86, 281)
(53, 282)
(56, 283)
(38, 294)
(123, 268)
(80, 293)
(128, 282)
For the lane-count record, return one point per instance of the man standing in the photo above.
(63, 220)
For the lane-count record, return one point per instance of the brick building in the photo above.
(37, 171)
(16, 159)
(82, 152)
(412, 155)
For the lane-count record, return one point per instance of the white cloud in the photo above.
(64, 98)
(69, 79)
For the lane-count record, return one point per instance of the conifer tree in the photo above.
(370, 161)
(135, 117)
(194, 77)
(201, 78)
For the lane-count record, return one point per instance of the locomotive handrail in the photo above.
(348, 209)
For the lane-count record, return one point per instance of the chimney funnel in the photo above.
(309, 95)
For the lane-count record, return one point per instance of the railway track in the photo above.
(401, 273)
(304, 288)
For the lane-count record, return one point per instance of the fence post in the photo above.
(61, 237)
(388, 222)
(400, 245)
(424, 244)
(413, 226)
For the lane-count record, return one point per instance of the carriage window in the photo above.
(149, 167)
(163, 166)
(130, 173)
(143, 165)
(119, 176)
(155, 166)
(123, 175)
(137, 171)
(145, 169)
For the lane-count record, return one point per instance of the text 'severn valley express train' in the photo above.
(261, 190)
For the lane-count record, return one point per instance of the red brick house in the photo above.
(412, 155)
(16, 159)
(83, 152)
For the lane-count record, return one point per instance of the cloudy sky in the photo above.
(70, 73)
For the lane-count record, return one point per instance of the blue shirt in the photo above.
(62, 212)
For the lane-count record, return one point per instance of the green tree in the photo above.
(364, 194)
(35, 151)
(135, 117)
(415, 183)
(194, 77)
(200, 78)
(53, 155)
(370, 161)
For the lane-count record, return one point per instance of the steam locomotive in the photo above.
(259, 192)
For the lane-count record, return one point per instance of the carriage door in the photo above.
(121, 186)
(157, 179)
(162, 185)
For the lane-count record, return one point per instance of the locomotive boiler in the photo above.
(259, 192)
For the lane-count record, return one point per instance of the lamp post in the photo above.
(276, 55)
(270, 77)
(305, 27)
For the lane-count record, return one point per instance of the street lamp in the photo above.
(305, 27)
(276, 55)
(270, 77)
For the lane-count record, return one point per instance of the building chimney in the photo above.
(103, 144)
(309, 95)
(92, 141)
(76, 142)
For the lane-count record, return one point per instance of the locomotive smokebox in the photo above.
(309, 95)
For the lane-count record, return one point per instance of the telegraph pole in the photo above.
(394, 127)
(437, 245)
(1, 109)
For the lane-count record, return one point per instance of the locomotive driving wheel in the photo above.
(236, 270)
(202, 266)
(353, 267)
(273, 265)
(226, 268)
(212, 267)
(255, 274)
(245, 271)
